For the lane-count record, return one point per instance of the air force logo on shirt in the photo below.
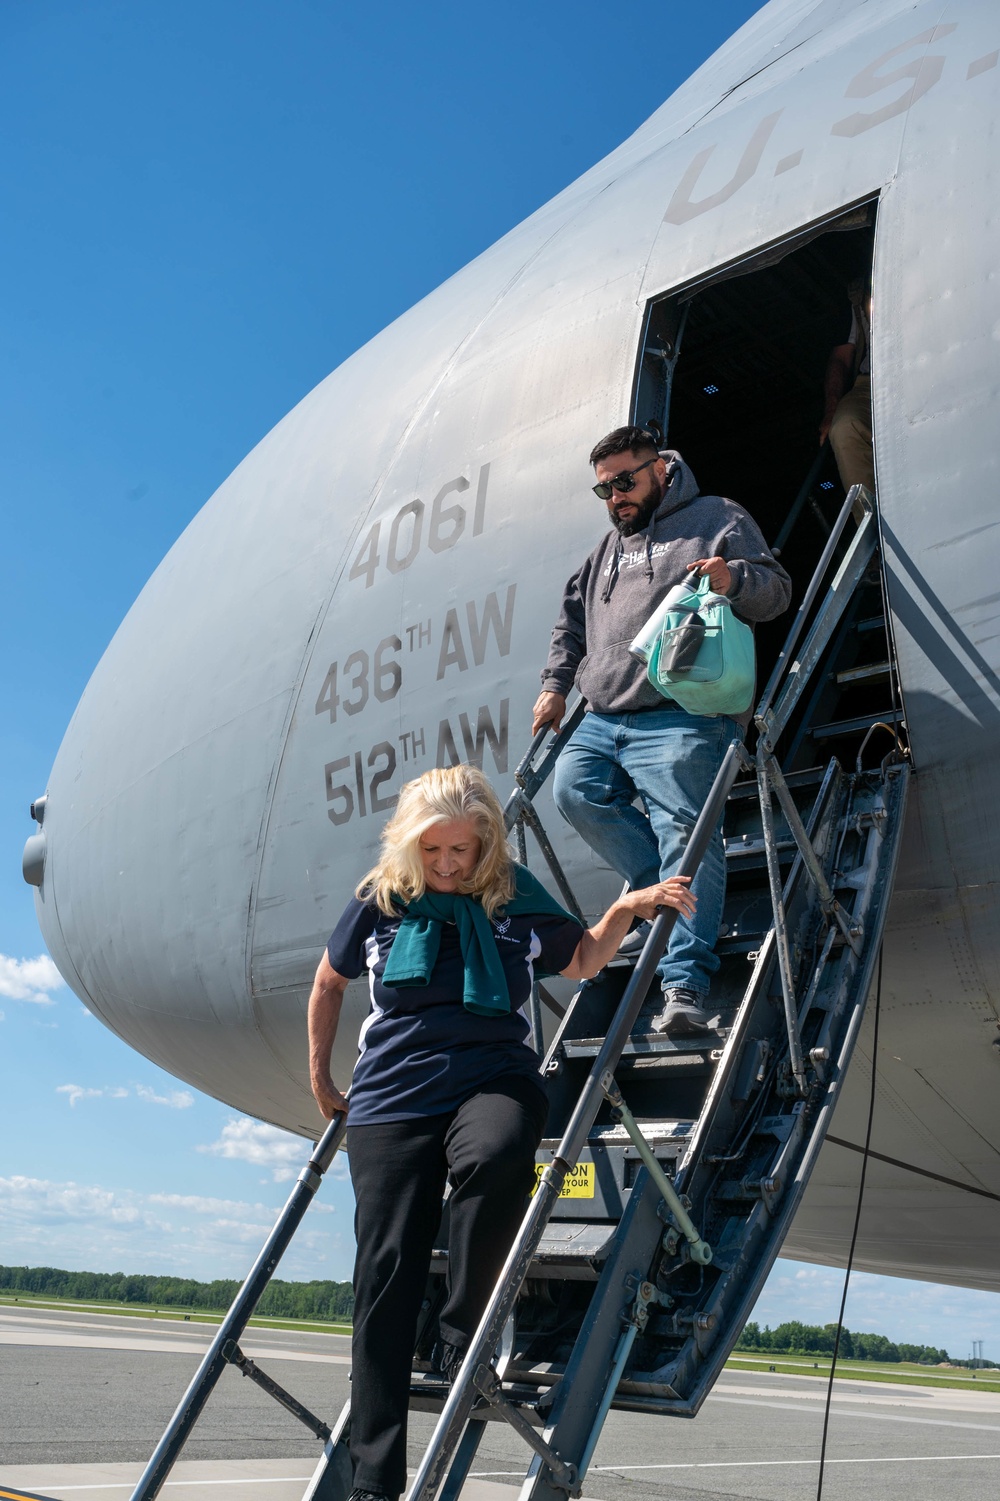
(500, 930)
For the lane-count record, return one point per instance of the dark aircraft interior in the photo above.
(732, 369)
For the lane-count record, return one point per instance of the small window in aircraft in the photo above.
(732, 369)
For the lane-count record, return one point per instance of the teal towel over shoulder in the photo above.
(415, 947)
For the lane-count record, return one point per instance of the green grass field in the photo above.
(170, 1315)
(864, 1370)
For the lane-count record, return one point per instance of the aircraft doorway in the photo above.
(732, 369)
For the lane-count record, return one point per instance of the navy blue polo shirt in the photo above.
(421, 1052)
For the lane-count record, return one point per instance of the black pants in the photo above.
(487, 1148)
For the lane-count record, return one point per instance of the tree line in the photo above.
(332, 1301)
(794, 1338)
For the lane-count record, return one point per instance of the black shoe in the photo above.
(683, 1013)
(363, 1495)
(446, 1360)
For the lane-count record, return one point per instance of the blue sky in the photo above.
(214, 204)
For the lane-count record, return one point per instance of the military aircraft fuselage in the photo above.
(371, 592)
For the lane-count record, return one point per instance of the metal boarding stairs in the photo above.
(671, 1168)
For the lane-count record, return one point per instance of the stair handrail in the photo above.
(520, 807)
(859, 494)
(798, 504)
(458, 1406)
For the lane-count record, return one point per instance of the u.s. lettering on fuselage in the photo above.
(923, 73)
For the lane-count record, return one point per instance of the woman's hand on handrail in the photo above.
(600, 943)
(325, 1002)
(329, 1099)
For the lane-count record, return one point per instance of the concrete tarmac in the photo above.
(84, 1399)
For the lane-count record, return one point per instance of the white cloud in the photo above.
(39, 1201)
(245, 1140)
(205, 1204)
(76, 1092)
(100, 1229)
(177, 1099)
(29, 979)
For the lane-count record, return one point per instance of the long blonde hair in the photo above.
(442, 795)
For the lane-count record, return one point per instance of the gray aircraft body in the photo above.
(370, 593)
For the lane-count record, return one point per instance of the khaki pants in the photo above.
(851, 436)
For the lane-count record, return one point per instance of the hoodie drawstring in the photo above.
(615, 568)
(612, 572)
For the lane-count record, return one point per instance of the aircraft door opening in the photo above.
(733, 371)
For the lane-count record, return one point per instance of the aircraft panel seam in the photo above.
(908, 1167)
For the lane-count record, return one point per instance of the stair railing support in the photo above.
(762, 714)
(832, 910)
(215, 1361)
(488, 1386)
(698, 1249)
(780, 921)
(635, 1321)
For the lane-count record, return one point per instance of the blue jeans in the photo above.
(669, 758)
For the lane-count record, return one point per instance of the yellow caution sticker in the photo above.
(579, 1183)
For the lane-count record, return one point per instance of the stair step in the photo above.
(656, 1133)
(855, 726)
(875, 672)
(750, 844)
(812, 776)
(650, 1044)
(739, 943)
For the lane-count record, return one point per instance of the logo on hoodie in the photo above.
(636, 556)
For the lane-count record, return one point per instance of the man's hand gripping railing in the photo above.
(458, 1406)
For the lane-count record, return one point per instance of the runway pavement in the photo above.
(85, 1397)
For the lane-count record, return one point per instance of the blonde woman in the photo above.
(446, 1086)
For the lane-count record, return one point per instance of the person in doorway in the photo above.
(633, 742)
(847, 398)
(446, 1086)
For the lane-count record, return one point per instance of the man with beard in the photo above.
(633, 742)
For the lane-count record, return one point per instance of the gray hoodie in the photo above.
(610, 598)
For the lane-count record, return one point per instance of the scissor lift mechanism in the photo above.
(698, 1150)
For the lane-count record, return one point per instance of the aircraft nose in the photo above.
(33, 858)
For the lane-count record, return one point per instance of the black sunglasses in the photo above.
(623, 482)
